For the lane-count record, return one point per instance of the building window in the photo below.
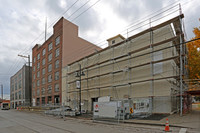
(38, 56)
(49, 89)
(34, 68)
(38, 65)
(43, 51)
(57, 52)
(38, 83)
(43, 91)
(15, 86)
(20, 84)
(34, 59)
(50, 46)
(56, 75)
(49, 78)
(33, 84)
(56, 87)
(50, 57)
(16, 95)
(57, 64)
(12, 87)
(38, 92)
(43, 61)
(113, 41)
(57, 40)
(20, 76)
(20, 95)
(43, 71)
(12, 96)
(43, 81)
(38, 74)
(49, 67)
(49, 100)
(33, 91)
(33, 76)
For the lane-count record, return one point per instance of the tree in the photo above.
(194, 58)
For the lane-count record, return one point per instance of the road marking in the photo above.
(183, 130)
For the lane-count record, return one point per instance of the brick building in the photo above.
(49, 59)
(19, 88)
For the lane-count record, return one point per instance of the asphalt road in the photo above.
(12, 121)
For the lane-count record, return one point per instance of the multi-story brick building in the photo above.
(49, 59)
(19, 88)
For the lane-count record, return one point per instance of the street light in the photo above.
(29, 72)
(2, 92)
(78, 84)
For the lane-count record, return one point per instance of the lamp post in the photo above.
(2, 92)
(78, 84)
(29, 76)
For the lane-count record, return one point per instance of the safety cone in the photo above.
(167, 126)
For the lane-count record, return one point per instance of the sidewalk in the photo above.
(191, 120)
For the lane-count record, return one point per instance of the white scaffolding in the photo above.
(117, 69)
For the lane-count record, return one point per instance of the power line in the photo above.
(80, 14)
(43, 33)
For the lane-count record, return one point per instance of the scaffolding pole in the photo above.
(152, 69)
(181, 71)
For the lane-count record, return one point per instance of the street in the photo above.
(12, 121)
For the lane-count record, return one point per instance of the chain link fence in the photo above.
(117, 111)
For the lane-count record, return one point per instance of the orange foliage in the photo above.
(194, 56)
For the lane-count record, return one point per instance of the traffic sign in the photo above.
(131, 110)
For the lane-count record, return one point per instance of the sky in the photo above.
(22, 23)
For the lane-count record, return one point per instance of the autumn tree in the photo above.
(194, 56)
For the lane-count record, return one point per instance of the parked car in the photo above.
(5, 106)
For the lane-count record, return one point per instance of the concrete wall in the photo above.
(21, 77)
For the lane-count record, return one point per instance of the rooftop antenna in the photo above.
(180, 10)
(45, 29)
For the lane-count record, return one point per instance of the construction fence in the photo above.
(117, 111)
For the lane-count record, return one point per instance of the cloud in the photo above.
(22, 21)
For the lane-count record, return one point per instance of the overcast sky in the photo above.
(22, 23)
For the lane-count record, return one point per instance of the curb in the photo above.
(153, 124)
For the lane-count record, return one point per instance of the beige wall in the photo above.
(72, 45)
(112, 84)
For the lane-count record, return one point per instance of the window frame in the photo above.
(50, 46)
(57, 40)
(43, 51)
(57, 52)
(57, 65)
(50, 57)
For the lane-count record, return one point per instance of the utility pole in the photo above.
(2, 92)
(29, 77)
(79, 74)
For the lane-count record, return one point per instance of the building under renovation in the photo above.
(146, 68)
